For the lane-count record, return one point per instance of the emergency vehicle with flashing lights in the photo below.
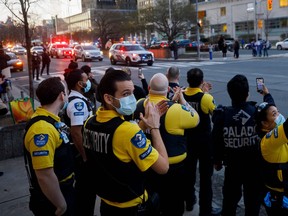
(131, 54)
(60, 49)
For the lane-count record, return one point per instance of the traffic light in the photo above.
(260, 24)
(269, 5)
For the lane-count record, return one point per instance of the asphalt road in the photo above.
(217, 71)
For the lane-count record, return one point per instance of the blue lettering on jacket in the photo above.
(146, 153)
(40, 153)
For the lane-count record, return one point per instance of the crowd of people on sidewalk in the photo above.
(139, 155)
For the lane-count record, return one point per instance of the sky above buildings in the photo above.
(43, 9)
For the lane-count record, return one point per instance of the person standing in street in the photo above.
(45, 61)
(48, 154)
(4, 58)
(199, 144)
(108, 44)
(119, 160)
(236, 146)
(236, 49)
(174, 48)
(266, 45)
(36, 60)
(179, 116)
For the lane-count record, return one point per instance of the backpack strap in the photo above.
(28, 125)
(86, 101)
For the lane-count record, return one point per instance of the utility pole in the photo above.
(170, 19)
(256, 22)
(197, 31)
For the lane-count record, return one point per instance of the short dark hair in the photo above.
(86, 69)
(49, 89)
(73, 77)
(195, 77)
(238, 88)
(107, 84)
(73, 65)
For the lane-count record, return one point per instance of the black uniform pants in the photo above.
(199, 151)
(236, 177)
(47, 65)
(41, 206)
(171, 190)
(37, 69)
(84, 186)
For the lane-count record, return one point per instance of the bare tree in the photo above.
(182, 16)
(108, 24)
(25, 6)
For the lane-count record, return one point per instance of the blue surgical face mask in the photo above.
(88, 86)
(127, 105)
(279, 120)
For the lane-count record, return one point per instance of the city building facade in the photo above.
(245, 17)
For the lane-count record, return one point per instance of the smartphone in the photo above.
(139, 71)
(259, 84)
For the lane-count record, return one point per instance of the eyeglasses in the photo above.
(262, 106)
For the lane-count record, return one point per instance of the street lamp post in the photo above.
(256, 22)
(69, 25)
(197, 31)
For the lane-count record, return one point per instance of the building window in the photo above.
(283, 3)
(223, 11)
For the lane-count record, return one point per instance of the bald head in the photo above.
(159, 84)
(173, 73)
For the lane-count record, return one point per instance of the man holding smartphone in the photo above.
(236, 147)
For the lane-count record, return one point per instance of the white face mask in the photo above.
(279, 120)
(127, 105)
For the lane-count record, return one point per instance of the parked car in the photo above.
(159, 45)
(19, 50)
(87, 52)
(37, 49)
(60, 50)
(183, 42)
(130, 54)
(15, 63)
(282, 44)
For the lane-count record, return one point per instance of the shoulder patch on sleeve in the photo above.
(40, 153)
(40, 140)
(139, 140)
(79, 106)
(146, 153)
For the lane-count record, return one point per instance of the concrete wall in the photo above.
(11, 141)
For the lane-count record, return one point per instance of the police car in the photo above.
(131, 54)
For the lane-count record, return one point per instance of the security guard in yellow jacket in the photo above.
(273, 129)
(118, 151)
(48, 154)
(199, 143)
(172, 127)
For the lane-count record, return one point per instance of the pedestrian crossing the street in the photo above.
(157, 66)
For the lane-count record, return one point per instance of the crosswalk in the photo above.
(157, 66)
(163, 66)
